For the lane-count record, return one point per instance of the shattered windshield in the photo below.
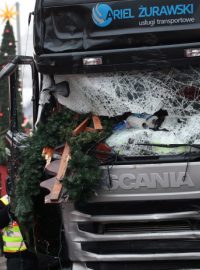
(163, 107)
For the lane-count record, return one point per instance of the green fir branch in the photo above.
(83, 173)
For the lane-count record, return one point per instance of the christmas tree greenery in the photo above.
(7, 52)
(2, 152)
(83, 172)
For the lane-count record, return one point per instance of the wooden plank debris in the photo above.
(55, 193)
(97, 122)
(80, 128)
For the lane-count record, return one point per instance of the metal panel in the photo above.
(75, 237)
(77, 216)
(150, 182)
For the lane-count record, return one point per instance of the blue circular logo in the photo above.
(100, 15)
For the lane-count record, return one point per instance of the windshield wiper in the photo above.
(170, 145)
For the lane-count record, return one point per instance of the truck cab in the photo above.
(140, 58)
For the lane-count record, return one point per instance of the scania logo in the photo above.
(103, 14)
(152, 180)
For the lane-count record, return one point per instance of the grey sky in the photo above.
(26, 6)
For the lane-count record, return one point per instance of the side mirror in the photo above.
(61, 88)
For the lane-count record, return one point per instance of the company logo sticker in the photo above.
(100, 15)
(103, 14)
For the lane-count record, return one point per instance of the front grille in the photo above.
(164, 265)
(154, 235)
(137, 207)
(150, 227)
(141, 247)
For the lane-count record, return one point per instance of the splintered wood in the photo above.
(97, 122)
(80, 128)
(54, 184)
(84, 126)
(47, 153)
(55, 193)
